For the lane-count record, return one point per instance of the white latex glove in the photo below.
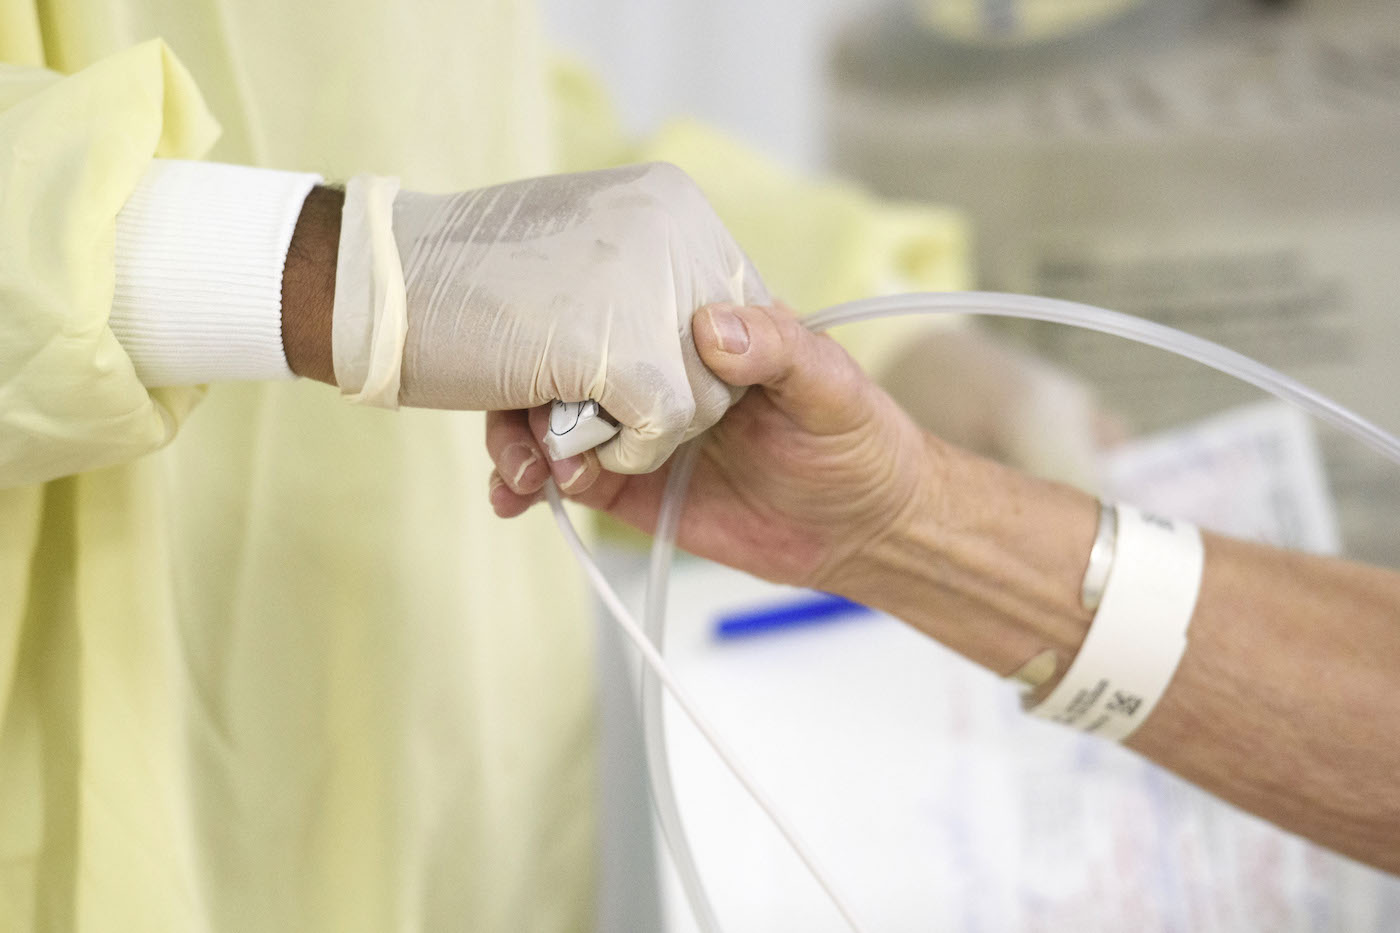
(567, 287)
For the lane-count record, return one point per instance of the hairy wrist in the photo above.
(308, 285)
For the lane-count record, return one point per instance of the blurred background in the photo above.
(1230, 168)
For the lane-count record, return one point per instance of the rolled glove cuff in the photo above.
(370, 320)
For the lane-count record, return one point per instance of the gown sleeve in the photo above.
(72, 150)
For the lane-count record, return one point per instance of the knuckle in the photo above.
(790, 333)
(677, 194)
(846, 375)
(755, 290)
(653, 462)
(676, 415)
(669, 177)
(712, 400)
(500, 431)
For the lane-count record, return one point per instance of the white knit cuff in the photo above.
(200, 250)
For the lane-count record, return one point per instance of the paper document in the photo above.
(1253, 472)
(939, 806)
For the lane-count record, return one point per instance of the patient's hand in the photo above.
(815, 477)
(812, 465)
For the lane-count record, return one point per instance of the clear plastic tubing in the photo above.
(655, 673)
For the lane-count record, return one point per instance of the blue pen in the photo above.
(816, 609)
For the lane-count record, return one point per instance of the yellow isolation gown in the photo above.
(267, 660)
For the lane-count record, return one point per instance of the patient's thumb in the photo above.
(806, 375)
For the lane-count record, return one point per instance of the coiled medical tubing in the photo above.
(648, 641)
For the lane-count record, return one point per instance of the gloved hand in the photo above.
(815, 463)
(567, 287)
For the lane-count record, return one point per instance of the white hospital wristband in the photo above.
(1138, 635)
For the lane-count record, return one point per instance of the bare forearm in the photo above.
(1287, 701)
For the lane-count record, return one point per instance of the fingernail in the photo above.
(515, 461)
(568, 470)
(730, 331)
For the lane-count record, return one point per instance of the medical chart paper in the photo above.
(940, 806)
(1253, 472)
